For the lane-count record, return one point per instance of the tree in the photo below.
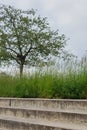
(26, 38)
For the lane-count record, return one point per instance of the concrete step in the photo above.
(45, 115)
(55, 104)
(10, 123)
(42, 114)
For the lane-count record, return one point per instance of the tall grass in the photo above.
(69, 83)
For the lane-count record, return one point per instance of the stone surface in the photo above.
(42, 114)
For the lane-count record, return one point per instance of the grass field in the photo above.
(50, 84)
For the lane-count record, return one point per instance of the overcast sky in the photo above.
(69, 16)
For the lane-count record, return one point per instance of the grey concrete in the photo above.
(54, 116)
(55, 104)
(31, 124)
(42, 114)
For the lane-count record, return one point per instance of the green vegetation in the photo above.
(51, 84)
(26, 38)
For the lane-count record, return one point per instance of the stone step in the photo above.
(9, 123)
(42, 114)
(45, 115)
(55, 104)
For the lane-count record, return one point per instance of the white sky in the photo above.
(69, 16)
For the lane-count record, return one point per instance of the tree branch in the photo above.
(14, 58)
(7, 48)
(31, 48)
(16, 34)
(28, 51)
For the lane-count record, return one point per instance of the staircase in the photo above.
(42, 114)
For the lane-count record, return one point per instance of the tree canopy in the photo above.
(27, 38)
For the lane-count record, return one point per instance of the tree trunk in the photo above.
(21, 70)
